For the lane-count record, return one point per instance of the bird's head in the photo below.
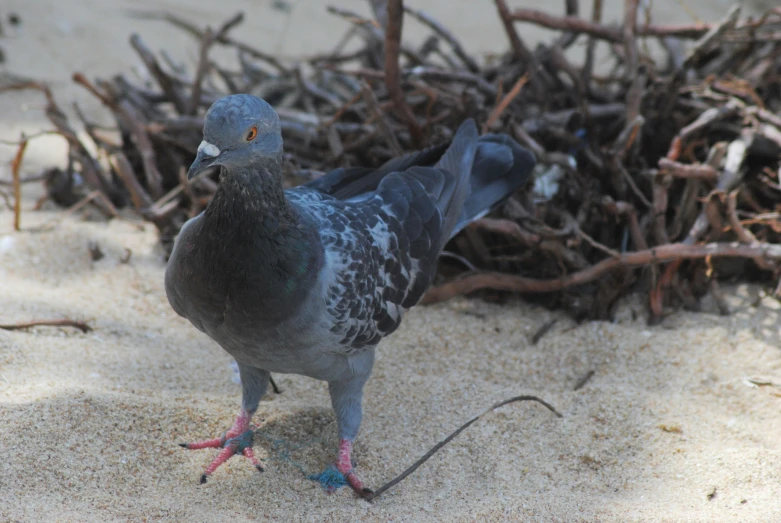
(238, 131)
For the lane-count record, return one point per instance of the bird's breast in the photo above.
(261, 304)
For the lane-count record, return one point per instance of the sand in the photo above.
(679, 422)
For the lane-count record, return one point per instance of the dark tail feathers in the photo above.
(459, 161)
(500, 168)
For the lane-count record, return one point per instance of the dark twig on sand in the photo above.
(543, 330)
(583, 380)
(82, 326)
(387, 486)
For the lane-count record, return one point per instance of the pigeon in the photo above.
(308, 280)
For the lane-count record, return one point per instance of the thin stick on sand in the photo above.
(15, 165)
(82, 326)
(395, 481)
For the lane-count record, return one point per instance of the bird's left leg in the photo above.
(346, 396)
(239, 438)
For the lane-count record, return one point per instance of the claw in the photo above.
(357, 485)
(241, 445)
(250, 455)
(238, 440)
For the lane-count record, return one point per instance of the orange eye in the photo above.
(252, 134)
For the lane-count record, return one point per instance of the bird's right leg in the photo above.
(239, 438)
(346, 399)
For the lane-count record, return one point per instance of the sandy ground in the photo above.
(679, 422)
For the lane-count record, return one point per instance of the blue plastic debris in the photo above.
(330, 479)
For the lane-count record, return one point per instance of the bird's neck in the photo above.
(270, 250)
(250, 194)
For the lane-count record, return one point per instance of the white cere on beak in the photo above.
(208, 149)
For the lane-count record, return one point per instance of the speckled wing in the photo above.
(380, 254)
(381, 245)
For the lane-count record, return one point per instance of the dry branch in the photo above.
(660, 254)
(392, 75)
(636, 167)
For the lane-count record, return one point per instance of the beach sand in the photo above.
(679, 422)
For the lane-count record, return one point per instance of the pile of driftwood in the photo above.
(660, 174)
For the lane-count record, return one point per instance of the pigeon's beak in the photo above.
(207, 154)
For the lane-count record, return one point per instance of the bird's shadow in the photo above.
(305, 439)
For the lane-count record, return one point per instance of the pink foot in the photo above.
(344, 465)
(237, 440)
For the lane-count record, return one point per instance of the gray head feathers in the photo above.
(239, 131)
(230, 118)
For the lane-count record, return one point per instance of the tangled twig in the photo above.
(643, 159)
